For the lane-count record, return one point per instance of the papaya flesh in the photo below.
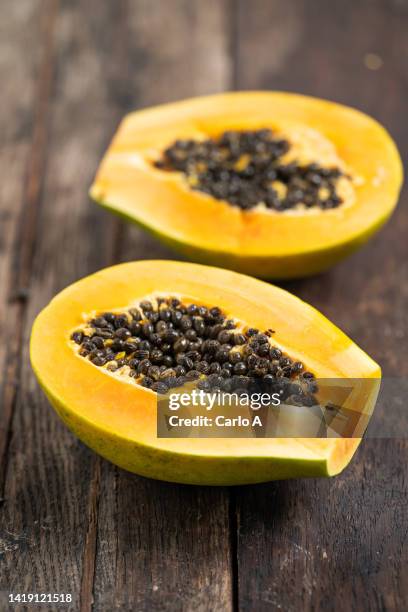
(259, 241)
(117, 417)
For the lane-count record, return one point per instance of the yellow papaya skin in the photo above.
(266, 267)
(203, 469)
(118, 420)
(258, 242)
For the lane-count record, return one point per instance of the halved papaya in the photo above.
(116, 414)
(271, 184)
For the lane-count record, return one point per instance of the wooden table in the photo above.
(71, 522)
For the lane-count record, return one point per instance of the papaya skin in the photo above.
(118, 419)
(257, 242)
(288, 267)
(202, 469)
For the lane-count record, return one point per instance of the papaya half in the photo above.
(272, 184)
(108, 345)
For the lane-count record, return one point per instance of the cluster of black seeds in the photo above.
(245, 168)
(166, 344)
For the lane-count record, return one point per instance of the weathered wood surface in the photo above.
(337, 545)
(73, 523)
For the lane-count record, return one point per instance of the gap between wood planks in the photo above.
(91, 539)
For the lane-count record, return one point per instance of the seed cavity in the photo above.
(164, 343)
(246, 169)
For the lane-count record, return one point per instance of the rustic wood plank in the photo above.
(23, 125)
(164, 546)
(51, 490)
(328, 545)
(338, 544)
(23, 128)
(161, 546)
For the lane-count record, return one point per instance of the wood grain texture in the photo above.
(23, 130)
(50, 490)
(71, 522)
(328, 545)
(161, 546)
(339, 544)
